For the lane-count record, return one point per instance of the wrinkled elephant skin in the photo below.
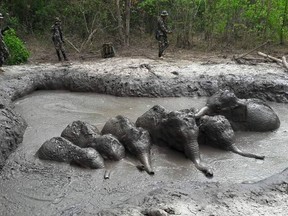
(109, 147)
(243, 114)
(80, 133)
(151, 120)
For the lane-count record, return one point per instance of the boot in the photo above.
(58, 54)
(64, 55)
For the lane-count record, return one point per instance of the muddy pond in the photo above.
(32, 186)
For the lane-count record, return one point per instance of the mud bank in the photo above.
(152, 78)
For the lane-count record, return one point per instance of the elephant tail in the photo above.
(236, 150)
(145, 163)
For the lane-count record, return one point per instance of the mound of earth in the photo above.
(135, 77)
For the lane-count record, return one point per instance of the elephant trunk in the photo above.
(146, 163)
(203, 168)
(202, 112)
(236, 150)
(192, 152)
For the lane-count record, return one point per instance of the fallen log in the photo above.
(270, 57)
(281, 61)
(245, 54)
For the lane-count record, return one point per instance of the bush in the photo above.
(17, 51)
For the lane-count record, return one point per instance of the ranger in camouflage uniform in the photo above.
(58, 39)
(161, 33)
(4, 53)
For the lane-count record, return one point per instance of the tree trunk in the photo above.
(120, 21)
(127, 22)
(283, 23)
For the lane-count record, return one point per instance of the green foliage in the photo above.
(17, 50)
(225, 21)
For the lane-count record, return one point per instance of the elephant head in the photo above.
(217, 131)
(62, 150)
(151, 120)
(179, 131)
(243, 114)
(135, 139)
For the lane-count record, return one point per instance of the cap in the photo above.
(164, 13)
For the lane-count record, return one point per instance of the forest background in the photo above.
(205, 25)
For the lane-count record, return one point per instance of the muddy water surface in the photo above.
(30, 186)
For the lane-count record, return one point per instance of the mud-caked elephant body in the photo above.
(135, 139)
(175, 129)
(243, 114)
(86, 135)
(62, 150)
(217, 131)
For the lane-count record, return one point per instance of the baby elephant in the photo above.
(86, 135)
(217, 131)
(62, 150)
(135, 139)
(243, 114)
(177, 130)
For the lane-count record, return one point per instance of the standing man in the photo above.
(58, 39)
(4, 53)
(161, 33)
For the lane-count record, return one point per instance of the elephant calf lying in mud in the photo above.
(217, 131)
(176, 129)
(62, 150)
(81, 143)
(135, 139)
(182, 130)
(243, 114)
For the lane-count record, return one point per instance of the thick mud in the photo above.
(30, 186)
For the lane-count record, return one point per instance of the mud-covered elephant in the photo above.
(62, 150)
(216, 131)
(175, 129)
(86, 135)
(243, 114)
(135, 139)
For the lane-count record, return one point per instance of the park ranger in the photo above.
(4, 53)
(161, 33)
(57, 38)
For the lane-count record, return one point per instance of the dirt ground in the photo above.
(185, 197)
(45, 53)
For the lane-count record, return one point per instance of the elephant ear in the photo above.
(239, 113)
